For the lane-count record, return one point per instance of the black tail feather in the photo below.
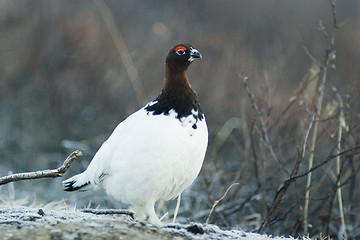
(69, 186)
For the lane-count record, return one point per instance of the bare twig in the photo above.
(51, 173)
(177, 207)
(338, 183)
(313, 59)
(256, 168)
(228, 208)
(329, 56)
(306, 85)
(353, 150)
(267, 144)
(219, 200)
(109, 212)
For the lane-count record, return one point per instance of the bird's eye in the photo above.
(180, 52)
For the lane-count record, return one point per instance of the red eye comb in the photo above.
(180, 48)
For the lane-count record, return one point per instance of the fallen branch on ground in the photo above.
(109, 211)
(50, 173)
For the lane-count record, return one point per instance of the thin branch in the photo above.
(268, 144)
(51, 173)
(228, 208)
(352, 150)
(338, 183)
(313, 59)
(177, 207)
(329, 56)
(252, 144)
(333, 3)
(219, 200)
(109, 212)
(311, 77)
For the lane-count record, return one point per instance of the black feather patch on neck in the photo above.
(184, 106)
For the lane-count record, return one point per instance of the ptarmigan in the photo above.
(156, 152)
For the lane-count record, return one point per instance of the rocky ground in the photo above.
(43, 224)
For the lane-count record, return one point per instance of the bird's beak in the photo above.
(194, 54)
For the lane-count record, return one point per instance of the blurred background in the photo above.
(70, 71)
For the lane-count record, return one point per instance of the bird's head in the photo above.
(181, 56)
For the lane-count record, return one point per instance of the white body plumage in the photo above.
(147, 158)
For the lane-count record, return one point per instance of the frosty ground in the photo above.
(42, 223)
